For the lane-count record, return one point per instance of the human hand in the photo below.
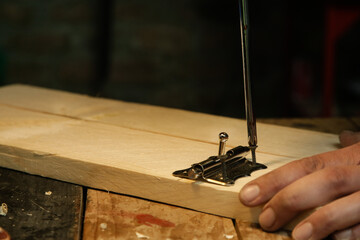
(330, 180)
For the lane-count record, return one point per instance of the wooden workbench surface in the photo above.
(41, 208)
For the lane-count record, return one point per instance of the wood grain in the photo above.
(328, 125)
(133, 148)
(113, 216)
(170, 122)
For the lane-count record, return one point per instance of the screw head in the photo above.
(223, 136)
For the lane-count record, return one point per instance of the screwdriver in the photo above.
(250, 118)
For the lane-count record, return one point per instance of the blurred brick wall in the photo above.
(176, 53)
(47, 43)
(181, 54)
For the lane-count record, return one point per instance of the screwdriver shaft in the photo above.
(250, 117)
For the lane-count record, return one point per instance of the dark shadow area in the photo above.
(185, 54)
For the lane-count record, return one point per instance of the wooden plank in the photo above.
(327, 125)
(173, 122)
(134, 149)
(93, 154)
(113, 216)
(39, 208)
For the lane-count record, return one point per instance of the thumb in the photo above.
(348, 138)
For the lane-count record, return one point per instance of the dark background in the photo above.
(185, 53)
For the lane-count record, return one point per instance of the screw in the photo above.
(223, 136)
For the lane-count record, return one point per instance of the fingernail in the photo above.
(343, 235)
(303, 232)
(267, 218)
(249, 193)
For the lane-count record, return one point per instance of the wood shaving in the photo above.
(103, 226)
(48, 193)
(3, 209)
(141, 236)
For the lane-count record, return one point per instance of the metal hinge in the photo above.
(223, 169)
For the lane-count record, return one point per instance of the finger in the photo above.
(343, 213)
(263, 188)
(309, 192)
(351, 233)
(348, 138)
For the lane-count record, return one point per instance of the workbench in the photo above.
(42, 208)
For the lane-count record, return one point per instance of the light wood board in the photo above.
(133, 148)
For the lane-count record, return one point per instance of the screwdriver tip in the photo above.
(253, 156)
